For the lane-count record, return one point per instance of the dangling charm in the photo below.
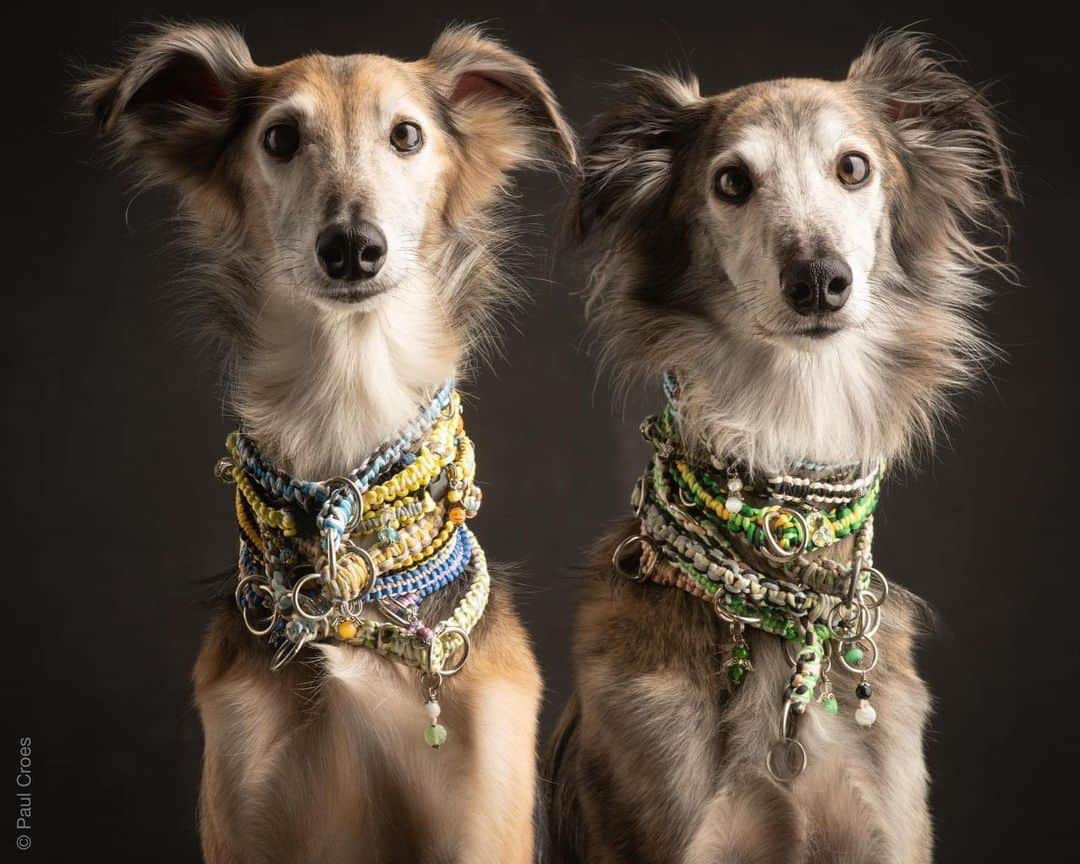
(860, 656)
(733, 503)
(348, 623)
(738, 664)
(435, 734)
(827, 699)
(865, 715)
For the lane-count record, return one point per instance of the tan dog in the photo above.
(803, 255)
(344, 213)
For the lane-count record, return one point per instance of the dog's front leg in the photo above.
(751, 821)
(497, 820)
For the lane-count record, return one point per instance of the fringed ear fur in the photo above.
(627, 167)
(499, 108)
(171, 106)
(948, 139)
(934, 110)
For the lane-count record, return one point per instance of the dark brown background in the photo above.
(112, 424)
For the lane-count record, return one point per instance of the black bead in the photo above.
(864, 690)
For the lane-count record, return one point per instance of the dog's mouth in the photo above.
(353, 294)
(817, 331)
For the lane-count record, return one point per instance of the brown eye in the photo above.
(853, 169)
(733, 184)
(406, 137)
(281, 141)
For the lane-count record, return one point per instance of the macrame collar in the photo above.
(757, 548)
(350, 560)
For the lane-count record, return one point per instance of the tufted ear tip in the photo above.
(626, 163)
(475, 72)
(170, 98)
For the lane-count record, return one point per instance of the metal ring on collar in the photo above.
(795, 766)
(287, 651)
(873, 620)
(846, 625)
(869, 598)
(449, 671)
(397, 611)
(687, 501)
(369, 561)
(358, 493)
(645, 567)
(223, 469)
(258, 585)
(728, 615)
(773, 549)
(296, 595)
(791, 746)
(863, 643)
(793, 650)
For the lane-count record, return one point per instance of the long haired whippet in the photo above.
(344, 212)
(799, 260)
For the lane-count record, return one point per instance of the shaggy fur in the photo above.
(655, 760)
(680, 281)
(187, 107)
(326, 761)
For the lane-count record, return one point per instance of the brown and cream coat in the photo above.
(692, 208)
(323, 762)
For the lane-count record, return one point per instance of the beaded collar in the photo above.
(746, 544)
(316, 557)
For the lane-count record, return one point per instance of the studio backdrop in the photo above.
(114, 420)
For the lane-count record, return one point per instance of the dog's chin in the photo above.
(352, 296)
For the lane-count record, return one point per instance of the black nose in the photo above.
(816, 285)
(351, 252)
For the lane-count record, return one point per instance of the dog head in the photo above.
(802, 253)
(343, 208)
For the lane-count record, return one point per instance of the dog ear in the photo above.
(947, 124)
(498, 106)
(627, 168)
(170, 108)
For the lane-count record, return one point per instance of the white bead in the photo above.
(865, 715)
(734, 484)
(433, 710)
(733, 504)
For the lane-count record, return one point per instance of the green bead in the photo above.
(741, 652)
(854, 655)
(829, 704)
(736, 674)
(435, 735)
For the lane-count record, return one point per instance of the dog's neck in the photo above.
(779, 425)
(773, 410)
(319, 389)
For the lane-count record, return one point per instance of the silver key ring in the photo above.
(791, 747)
(645, 567)
(449, 671)
(357, 511)
(288, 651)
(296, 595)
(258, 585)
(729, 615)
